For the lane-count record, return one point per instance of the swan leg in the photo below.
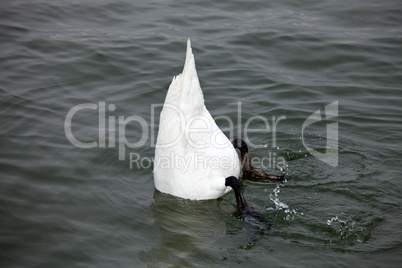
(251, 173)
(267, 178)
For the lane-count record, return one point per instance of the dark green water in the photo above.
(64, 206)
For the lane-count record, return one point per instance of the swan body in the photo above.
(192, 156)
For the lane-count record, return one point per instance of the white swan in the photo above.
(193, 157)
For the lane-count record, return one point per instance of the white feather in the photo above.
(193, 156)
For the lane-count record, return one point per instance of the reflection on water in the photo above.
(192, 229)
(187, 227)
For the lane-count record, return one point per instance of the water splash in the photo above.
(348, 224)
(347, 228)
(279, 205)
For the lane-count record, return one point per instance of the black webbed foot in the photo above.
(252, 173)
(251, 216)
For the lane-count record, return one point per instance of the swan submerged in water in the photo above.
(193, 157)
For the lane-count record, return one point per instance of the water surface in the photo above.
(63, 206)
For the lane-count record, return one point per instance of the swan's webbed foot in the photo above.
(251, 173)
(250, 215)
